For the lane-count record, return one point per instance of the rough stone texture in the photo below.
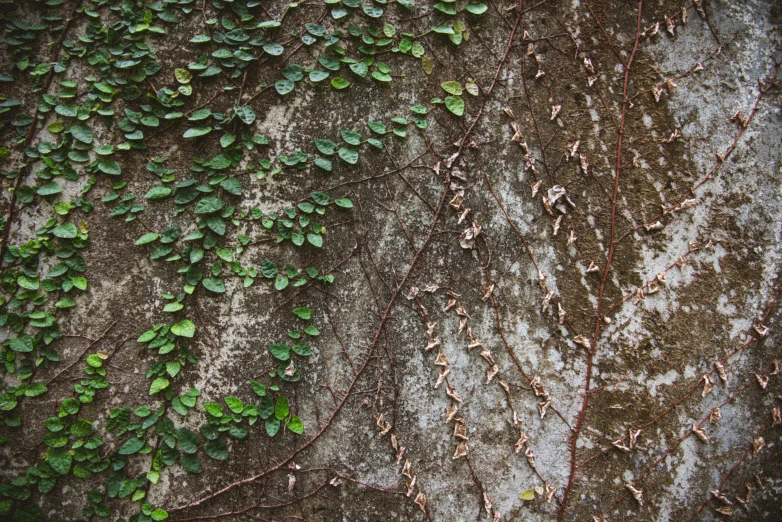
(652, 355)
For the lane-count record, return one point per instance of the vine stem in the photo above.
(380, 329)
(606, 270)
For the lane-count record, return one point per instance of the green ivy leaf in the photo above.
(158, 385)
(258, 388)
(315, 240)
(284, 86)
(188, 440)
(184, 328)
(296, 426)
(274, 49)
(281, 282)
(272, 427)
(208, 205)
(214, 284)
(268, 269)
(195, 132)
(348, 155)
(190, 463)
(454, 88)
(311, 330)
(81, 133)
(455, 104)
(350, 137)
(318, 76)
(149, 237)
(234, 404)
(60, 460)
(159, 192)
(377, 127)
(326, 147)
(476, 9)
(131, 446)
(245, 113)
(303, 312)
(281, 408)
(321, 198)
(213, 409)
(216, 449)
(323, 163)
(281, 352)
(339, 83)
(66, 231)
(343, 202)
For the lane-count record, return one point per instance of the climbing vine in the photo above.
(244, 152)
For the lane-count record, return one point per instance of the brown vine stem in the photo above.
(721, 158)
(601, 291)
(92, 343)
(684, 437)
(696, 386)
(370, 349)
(718, 488)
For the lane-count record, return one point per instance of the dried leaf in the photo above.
(572, 238)
(536, 187)
(761, 329)
(543, 407)
(487, 503)
(521, 442)
(592, 267)
(486, 354)
(776, 416)
(491, 372)
(700, 433)
(550, 492)
(420, 500)
(707, 385)
(561, 313)
(555, 110)
(411, 486)
(451, 412)
(721, 497)
(556, 225)
(669, 25)
(430, 328)
(406, 469)
(638, 495)
(291, 482)
(460, 431)
(721, 371)
(762, 380)
(633, 437)
(441, 377)
(433, 343)
(715, 416)
(461, 450)
(441, 359)
(547, 301)
(336, 482)
(530, 456)
(724, 510)
(487, 291)
(583, 341)
(758, 443)
(451, 392)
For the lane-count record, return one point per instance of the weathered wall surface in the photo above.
(580, 341)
